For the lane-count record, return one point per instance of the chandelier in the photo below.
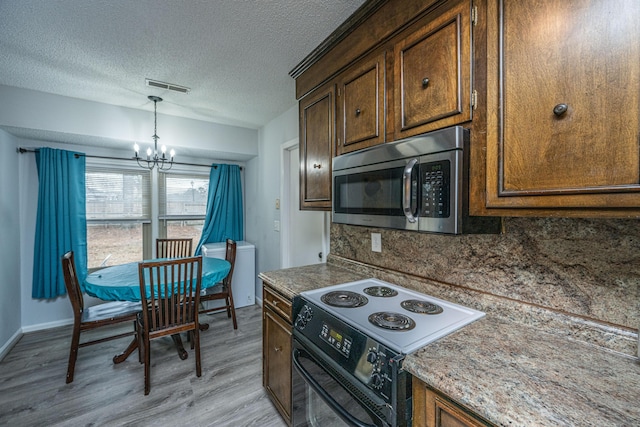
(153, 157)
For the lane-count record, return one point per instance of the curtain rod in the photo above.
(26, 150)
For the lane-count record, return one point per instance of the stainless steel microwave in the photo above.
(418, 183)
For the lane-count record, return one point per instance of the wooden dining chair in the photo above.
(85, 319)
(222, 290)
(170, 293)
(174, 248)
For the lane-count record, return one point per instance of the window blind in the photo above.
(118, 194)
(182, 196)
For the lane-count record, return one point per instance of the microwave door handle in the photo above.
(407, 191)
(323, 394)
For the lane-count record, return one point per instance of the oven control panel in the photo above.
(336, 339)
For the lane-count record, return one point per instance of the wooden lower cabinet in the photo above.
(276, 350)
(433, 409)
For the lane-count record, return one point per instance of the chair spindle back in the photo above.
(174, 292)
(174, 248)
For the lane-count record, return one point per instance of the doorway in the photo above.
(304, 235)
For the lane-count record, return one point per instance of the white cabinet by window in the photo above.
(244, 277)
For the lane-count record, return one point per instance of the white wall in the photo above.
(9, 249)
(74, 120)
(263, 188)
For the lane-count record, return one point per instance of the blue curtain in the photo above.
(224, 218)
(61, 223)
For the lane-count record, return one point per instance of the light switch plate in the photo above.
(276, 225)
(376, 242)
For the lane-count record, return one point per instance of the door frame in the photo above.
(285, 203)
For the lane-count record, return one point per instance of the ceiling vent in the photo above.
(168, 86)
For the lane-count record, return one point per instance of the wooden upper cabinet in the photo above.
(432, 72)
(563, 106)
(360, 109)
(316, 148)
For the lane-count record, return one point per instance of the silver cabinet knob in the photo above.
(560, 109)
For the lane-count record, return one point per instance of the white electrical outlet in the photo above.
(376, 242)
(276, 225)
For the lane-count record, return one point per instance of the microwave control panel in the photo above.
(435, 180)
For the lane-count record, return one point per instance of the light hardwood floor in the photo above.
(229, 392)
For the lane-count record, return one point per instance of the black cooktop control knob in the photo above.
(372, 356)
(303, 317)
(376, 380)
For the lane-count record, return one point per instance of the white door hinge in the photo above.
(474, 15)
(474, 99)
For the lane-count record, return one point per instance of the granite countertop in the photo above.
(519, 376)
(291, 281)
(510, 373)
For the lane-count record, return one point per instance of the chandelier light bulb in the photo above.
(164, 149)
(173, 153)
(136, 148)
(149, 152)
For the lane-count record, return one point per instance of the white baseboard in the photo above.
(47, 325)
(4, 350)
(10, 343)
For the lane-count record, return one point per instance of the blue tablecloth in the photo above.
(122, 283)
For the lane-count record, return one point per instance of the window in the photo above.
(118, 215)
(126, 210)
(182, 204)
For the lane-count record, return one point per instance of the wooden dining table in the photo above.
(122, 283)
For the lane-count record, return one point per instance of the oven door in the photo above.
(319, 399)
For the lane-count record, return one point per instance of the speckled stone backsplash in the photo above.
(584, 267)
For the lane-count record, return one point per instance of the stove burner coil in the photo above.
(392, 321)
(380, 291)
(421, 307)
(344, 299)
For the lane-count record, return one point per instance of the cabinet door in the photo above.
(360, 111)
(432, 409)
(432, 73)
(563, 104)
(277, 361)
(316, 142)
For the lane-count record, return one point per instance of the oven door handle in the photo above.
(324, 395)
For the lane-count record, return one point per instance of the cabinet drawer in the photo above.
(277, 302)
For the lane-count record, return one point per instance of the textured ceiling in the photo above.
(235, 55)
